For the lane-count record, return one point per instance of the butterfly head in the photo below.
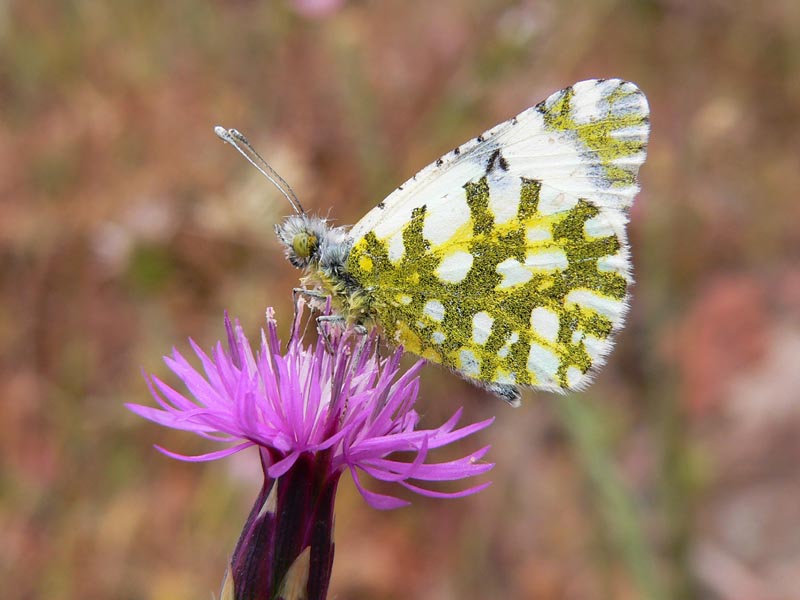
(309, 241)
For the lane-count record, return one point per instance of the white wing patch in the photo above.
(544, 362)
(554, 260)
(513, 273)
(444, 218)
(435, 310)
(454, 267)
(613, 309)
(481, 327)
(504, 193)
(396, 247)
(545, 323)
(553, 200)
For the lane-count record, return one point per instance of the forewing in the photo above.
(587, 140)
(507, 259)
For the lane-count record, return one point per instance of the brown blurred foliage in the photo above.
(125, 226)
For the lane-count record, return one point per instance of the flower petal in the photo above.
(434, 494)
(375, 500)
(205, 457)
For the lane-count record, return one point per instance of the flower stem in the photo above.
(286, 547)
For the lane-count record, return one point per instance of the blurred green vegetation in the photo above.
(125, 227)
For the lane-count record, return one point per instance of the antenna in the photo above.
(243, 147)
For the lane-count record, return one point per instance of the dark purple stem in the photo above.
(274, 536)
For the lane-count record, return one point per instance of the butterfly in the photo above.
(506, 260)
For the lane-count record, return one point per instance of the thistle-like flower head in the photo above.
(336, 398)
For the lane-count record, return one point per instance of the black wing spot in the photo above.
(439, 162)
(496, 160)
(507, 392)
(456, 151)
(382, 204)
(479, 139)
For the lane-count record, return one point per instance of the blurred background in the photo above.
(126, 226)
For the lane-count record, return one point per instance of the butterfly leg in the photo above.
(312, 295)
(358, 329)
(322, 322)
(340, 320)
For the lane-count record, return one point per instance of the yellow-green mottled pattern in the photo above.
(398, 291)
(597, 136)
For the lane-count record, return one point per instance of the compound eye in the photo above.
(304, 245)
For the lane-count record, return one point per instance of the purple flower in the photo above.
(313, 412)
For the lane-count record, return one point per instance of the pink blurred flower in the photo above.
(316, 8)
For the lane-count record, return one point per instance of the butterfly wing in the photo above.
(507, 259)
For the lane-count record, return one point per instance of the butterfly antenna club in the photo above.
(243, 147)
